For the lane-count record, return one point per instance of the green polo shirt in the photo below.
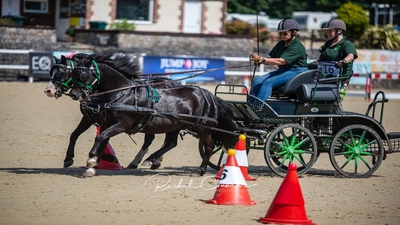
(294, 54)
(332, 54)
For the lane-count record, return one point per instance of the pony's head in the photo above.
(85, 78)
(60, 77)
(89, 71)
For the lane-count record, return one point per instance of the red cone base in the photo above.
(245, 174)
(282, 212)
(107, 165)
(231, 195)
(288, 204)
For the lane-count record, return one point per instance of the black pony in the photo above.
(130, 105)
(60, 83)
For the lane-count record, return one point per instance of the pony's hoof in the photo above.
(147, 163)
(90, 163)
(155, 165)
(89, 172)
(197, 173)
(68, 164)
(132, 166)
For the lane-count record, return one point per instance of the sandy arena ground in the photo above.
(35, 189)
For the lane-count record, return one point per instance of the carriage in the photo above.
(300, 120)
(303, 119)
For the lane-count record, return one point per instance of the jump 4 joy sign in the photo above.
(170, 65)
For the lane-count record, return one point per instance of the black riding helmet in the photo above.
(288, 25)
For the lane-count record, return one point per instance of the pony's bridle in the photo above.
(61, 77)
(88, 77)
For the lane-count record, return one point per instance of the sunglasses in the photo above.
(283, 33)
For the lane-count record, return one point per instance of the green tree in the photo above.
(380, 38)
(284, 8)
(239, 27)
(355, 18)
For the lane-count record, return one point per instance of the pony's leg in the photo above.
(207, 141)
(100, 143)
(148, 139)
(170, 141)
(83, 125)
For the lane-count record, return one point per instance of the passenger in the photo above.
(338, 48)
(288, 54)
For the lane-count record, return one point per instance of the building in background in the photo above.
(262, 18)
(312, 20)
(175, 16)
(382, 14)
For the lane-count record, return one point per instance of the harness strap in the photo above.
(152, 97)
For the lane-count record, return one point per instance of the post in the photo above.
(312, 39)
(368, 87)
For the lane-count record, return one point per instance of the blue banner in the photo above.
(169, 64)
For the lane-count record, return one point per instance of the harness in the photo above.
(92, 104)
(100, 108)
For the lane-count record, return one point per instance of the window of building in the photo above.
(139, 11)
(36, 6)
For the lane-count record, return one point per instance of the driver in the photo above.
(288, 54)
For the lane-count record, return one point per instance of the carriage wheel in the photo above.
(290, 143)
(356, 151)
(218, 156)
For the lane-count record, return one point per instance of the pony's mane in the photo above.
(123, 63)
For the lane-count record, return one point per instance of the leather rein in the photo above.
(199, 72)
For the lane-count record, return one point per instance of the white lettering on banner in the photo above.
(200, 64)
(183, 64)
(362, 67)
(171, 63)
(41, 63)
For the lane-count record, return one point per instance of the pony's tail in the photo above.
(226, 122)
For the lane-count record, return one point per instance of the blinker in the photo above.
(84, 76)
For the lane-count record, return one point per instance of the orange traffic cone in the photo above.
(288, 204)
(241, 158)
(232, 188)
(106, 164)
(246, 84)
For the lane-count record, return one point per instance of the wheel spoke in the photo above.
(293, 137)
(307, 139)
(347, 161)
(299, 159)
(365, 162)
(284, 138)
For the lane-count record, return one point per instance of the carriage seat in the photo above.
(289, 89)
(317, 92)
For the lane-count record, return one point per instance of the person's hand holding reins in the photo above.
(340, 63)
(256, 58)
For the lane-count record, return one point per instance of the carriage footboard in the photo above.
(243, 112)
